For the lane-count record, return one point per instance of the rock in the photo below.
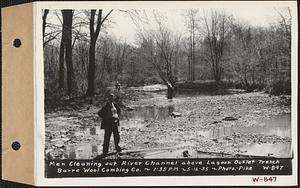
(55, 139)
(146, 142)
(65, 139)
(129, 109)
(228, 138)
(230, 118)
(186, 153)
(48, 150)
(59, 144)
(282, 97)
(215, 140)
(63, 131)
(176, 114)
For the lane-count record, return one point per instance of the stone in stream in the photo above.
(176, 114)
(282, 97)
(229, 118)
(228, 138)
(65, 139)
(63, 131)
(59, 144)
(129, 109)
(186, 153)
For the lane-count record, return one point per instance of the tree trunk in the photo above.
(91, 71)
(193, 52)
(67, 22)
(61, 82)
(94, 33)
(45, 13)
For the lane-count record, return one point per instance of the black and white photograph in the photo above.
(167, 83)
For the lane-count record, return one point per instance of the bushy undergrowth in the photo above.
(275, 88)
(280, 87)
(208, 85)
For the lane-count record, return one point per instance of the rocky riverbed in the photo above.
(187, 126)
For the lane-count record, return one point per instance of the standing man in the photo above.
(118, 86)
(110, 114)
(170, 91)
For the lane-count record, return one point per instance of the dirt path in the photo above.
(79, 128)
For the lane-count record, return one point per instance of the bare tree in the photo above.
(216, 32)
(65, 54)
(192, 25)
(67, 18)
(53, 29)
(61, 79)
(243, 55)
(94, 33)
(45, 13)
(163, 48)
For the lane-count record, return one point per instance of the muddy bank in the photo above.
(75, 133)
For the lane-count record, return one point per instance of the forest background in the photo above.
(212, 50)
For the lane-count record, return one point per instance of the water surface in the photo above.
(140, 116)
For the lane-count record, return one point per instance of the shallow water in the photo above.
(149, 113)
(279, 125)
(192, 93)
(87, 151)
(268, 149)
(140, 116)
(169, 154)
(276, 126)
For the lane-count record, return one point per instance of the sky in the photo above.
(125, 29)
(122, 26)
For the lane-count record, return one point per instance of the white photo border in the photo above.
(246, 180)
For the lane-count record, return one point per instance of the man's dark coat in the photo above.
(106, 115)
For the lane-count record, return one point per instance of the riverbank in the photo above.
(71, 132)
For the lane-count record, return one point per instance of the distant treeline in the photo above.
(216, 47)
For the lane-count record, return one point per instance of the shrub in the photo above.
(279, 87)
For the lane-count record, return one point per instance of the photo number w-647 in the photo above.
(264, 179)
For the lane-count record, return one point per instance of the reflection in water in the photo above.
(272, 150)
(83, 152)
(280, 126)
(204, 92)
(143, 114)
(178, 154)
(148, 113)
(93, 131)
(136, 118)
(89, 131)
